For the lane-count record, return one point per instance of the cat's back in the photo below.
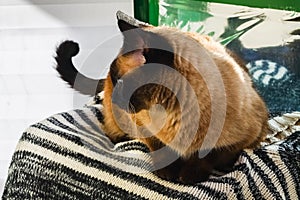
(246, 112)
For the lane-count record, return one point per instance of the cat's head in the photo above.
(148, 68)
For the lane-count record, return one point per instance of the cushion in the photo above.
(68, 156)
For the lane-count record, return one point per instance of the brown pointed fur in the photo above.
(246, 115)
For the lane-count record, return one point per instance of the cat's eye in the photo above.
(145, 50)
(145, 53)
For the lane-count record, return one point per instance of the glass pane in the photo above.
(268, 40)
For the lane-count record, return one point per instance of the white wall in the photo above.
(30, 89)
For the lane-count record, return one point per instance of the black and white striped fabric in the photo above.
(67, 156)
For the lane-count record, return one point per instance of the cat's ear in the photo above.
(126, 22)
(125, 26)
(134, 35)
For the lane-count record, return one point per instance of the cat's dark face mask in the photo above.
(134, 70)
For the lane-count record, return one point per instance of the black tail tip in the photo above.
(67, 48)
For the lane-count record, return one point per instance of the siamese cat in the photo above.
(162, 89)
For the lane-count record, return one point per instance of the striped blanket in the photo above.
(67, 156)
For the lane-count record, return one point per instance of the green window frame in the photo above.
(148, 10)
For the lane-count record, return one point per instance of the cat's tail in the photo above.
(64, 53)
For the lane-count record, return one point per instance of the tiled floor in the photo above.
(30, 89)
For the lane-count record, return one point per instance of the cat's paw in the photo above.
(195, 170)
(167, 174)
(170, 172)
(193, 175)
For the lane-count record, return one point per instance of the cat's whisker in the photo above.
(131, 110)
(134, 120)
